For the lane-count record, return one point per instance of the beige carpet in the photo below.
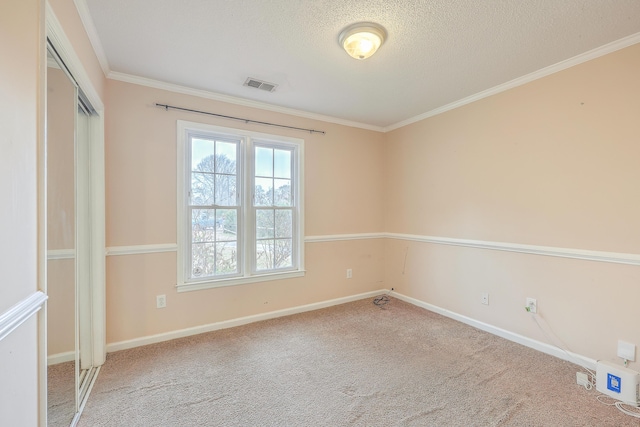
(61, 403)
(352, 365)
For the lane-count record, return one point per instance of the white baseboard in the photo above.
(54, 359)
(152, 339)
(503, 333)
(511, 336)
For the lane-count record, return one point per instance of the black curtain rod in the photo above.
(167, 107)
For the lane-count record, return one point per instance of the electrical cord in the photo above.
(635, 412)
(564, 348)
(381, 301)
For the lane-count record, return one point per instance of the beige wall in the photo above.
(20, 91)
(61, 110)
(343, 189)
(550, 163)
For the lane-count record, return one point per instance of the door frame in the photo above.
(55, 33)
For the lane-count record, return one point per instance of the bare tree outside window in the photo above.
(273, 201)
(214, 217)
(240, 211)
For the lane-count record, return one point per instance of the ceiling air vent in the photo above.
(259, 84)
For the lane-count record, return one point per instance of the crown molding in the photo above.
(92, 33)
(544, 72)
(157, 84)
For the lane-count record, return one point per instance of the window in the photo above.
(239, 206)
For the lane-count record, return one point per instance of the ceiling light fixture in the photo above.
(362, 39)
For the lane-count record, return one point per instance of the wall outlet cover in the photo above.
(484, 298)
(627, 350)
(532, 305)
(161, 301)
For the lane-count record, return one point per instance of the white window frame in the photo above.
(246, 220)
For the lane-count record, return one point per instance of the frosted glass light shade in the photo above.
(362, 40)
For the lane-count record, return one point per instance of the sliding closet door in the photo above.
(62, 101)
(72, 256)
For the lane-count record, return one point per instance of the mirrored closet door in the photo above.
(68, 182)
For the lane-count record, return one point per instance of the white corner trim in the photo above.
(61, 254)
(340, 237)
(560, 66)
(503, 333)
(171, 87)
(67, 356)
(141, 249)
(152, 339)
(21, 312)
(92, 33)
(612, 257)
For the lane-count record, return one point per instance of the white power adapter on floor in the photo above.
(618, 382)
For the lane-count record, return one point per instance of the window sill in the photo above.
(196, 286)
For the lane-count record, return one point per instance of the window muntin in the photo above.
(274, 207)
(214, 206)
(239, 207)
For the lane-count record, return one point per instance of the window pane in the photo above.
(202, 188)
(284, 223)
(282, 193)
(265, 227)
(282, 163)
(215, 192)
(226, 157)
(225, 190)
(226, 225)
(263, 192)
(202, 151)
(264, 161)
(226, 259)
(202, 259)
(203, 225)
(264, 254)
(282, 255)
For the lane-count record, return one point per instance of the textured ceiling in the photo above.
(437, 52)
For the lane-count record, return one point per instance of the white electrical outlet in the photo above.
(532, 305)
(349, 273)
(627, 350)
(484, 298)
(161, 301)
